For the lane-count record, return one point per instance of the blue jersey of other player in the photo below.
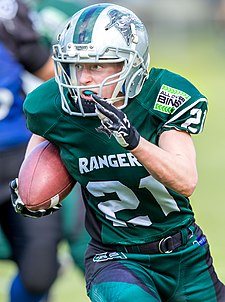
(13, 129)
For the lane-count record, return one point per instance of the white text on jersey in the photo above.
(105, 161)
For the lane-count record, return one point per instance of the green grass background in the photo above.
(200, 57)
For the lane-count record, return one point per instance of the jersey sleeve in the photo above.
(191, 118)
(41, 109)
(179, 104)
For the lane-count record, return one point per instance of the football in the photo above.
(43, 180)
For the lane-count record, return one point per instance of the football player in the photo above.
(124, 134)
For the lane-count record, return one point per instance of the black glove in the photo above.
(20, 208)
(115, 122)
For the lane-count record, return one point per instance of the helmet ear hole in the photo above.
(135, 83)
(138, 78)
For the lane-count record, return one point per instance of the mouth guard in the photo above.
(88, 92)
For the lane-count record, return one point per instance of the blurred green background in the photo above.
(187, 37)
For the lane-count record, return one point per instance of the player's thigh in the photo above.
(43, 236)
(40, 251)
(28, 234)
(120, 292)
(114, 281)
(201, 281)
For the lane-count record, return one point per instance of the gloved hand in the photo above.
(115, 122)
(20, 208)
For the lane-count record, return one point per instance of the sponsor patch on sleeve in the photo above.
(170, 99)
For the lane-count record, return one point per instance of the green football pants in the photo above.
(186, 274)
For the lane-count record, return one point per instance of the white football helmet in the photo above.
(101, 33)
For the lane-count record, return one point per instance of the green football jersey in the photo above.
(125, 204)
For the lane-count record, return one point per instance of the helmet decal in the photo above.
(85, 24)
(122, 20)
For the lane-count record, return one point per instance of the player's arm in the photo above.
(172, 162)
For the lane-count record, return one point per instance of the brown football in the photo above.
(43, 180)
